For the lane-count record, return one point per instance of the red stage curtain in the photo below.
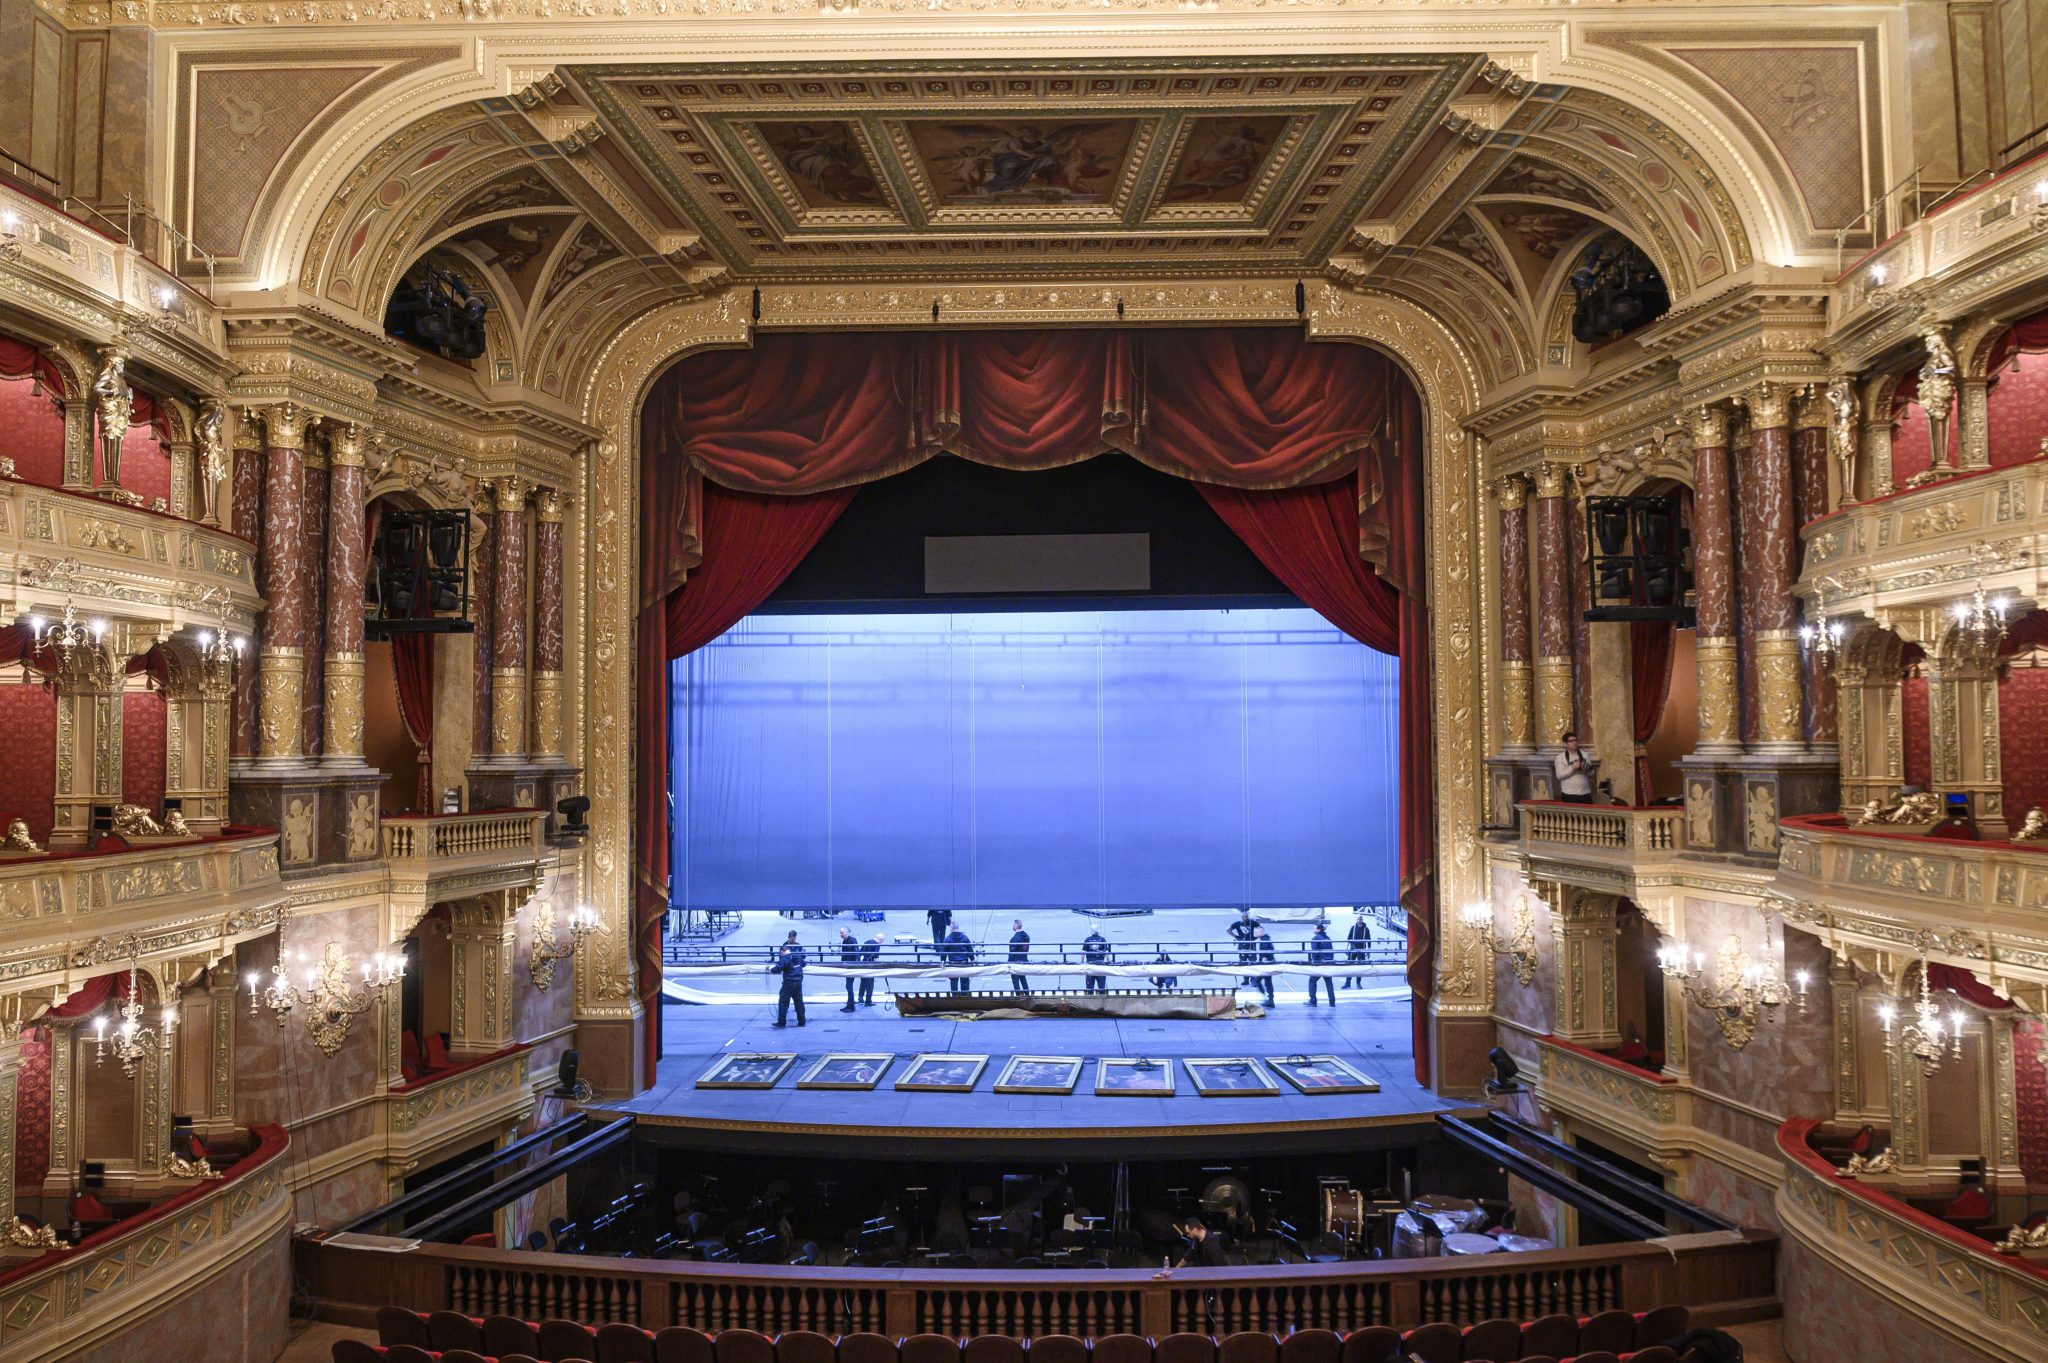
(1650, 644)
(1026, 399)
(755, 542)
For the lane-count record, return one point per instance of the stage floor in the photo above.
(1371, 1034)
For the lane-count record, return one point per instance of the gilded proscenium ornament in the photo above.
(1778, 721)
(547, 948)
(113, 403)
(1519, 947)
(334, 999)
(280, 682)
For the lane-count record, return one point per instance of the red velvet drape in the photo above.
(2028, 334)
(1650, 646)
(412, 668)
(19, 360)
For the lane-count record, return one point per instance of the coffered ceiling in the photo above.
(1205, 168)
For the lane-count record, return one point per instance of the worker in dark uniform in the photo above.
(789, 963)
(1245, 932)
(849, 955)
(1020, 951)
(941, 919)
(1206, 1248)
(1095, 948)
(870, 952)
(1360, 938)
(1321, 951)
(959, 950)
(1163, 983)
(1262, 952)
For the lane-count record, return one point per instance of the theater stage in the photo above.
(1372, 1035)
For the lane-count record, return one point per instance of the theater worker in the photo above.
(1020, 951)
(1321, 951)
(1245, 932)
(789, 963)
(1095, 948)
(1262, 952)
(1206, 1248)
(870, 952)
(849, 956)
(941, 919)
(1360, 938)
(959, 950)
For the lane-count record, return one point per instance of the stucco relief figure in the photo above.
(1699, 815)
(18, 838)
(133, 821)
(113, 402)
(212, 459)
(1843, 410)
(1763, 819)
(2035, 828)
(298, 831)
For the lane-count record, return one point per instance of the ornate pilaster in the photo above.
(281, 660)
(1588, 1006)
(1554, 707)
(1962, 722)
(1877, 435)
(219, 1113)
(88, 685)
(78, 450)
(1974, 424)
(547, 625)
(1871, 754)
(1516, 680)
(1714, 583)
(10, 1075)
(1770, 547)
(483, 937)
(508, 621)
(196, 696)
(1810, 436)
(345, 572)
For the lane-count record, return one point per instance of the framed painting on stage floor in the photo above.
(933, 1072)
(1321, 1074)
(1236, 1076)
(847, 1070)
(1040, 1074)
(748, 1070)
(1133, 1076)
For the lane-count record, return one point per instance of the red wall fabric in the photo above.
(28, 778)
(32, 432)
(2023, 757)
(142, 749)
(32, 1111)
(2030, 1076)
(2016, 412)
(145, 463)
(1917, 752)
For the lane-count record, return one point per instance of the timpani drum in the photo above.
(1467, 1242)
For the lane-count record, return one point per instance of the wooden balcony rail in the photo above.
(1621, 828)
(1733, 1271)
(437, 837)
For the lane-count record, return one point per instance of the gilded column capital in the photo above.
(508, 494)
(347, 444)
(248, 433)
(1551, 479)
(1769, 405)
(1811, 412)
(286, 425)
(1709, 427)
(547, 505)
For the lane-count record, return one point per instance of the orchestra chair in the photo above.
(1556, 1336)
(1058, 1349)
(510, 1335)
(742, 1346)
(1311, 1346)
(862, 1347)
(396, 1325)
(1184, 1348)
(926, 1349)
(561, 1340)
(1440, 1342)
(452, 1330)
(617, 1343)
(1498, 1341)
(680, 1344)
(1248, 1346)
(992, 1349)
(803, 1346)
(1372, 1344)
(1122, 1349)
(1612, 1332)
(1660, 1324)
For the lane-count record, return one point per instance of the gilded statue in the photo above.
(1922, 806)
(113, 402)
(1937, 396)
(1885, 1161)
(2034, 828)
(213, 459)
(1843, 409)
(133, 821)
(175, 825)
(20, 1234)
(18, 839)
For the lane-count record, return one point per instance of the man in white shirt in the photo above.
(1574, 772)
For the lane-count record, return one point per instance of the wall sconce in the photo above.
(10, 236)
(333, 1001)
(1520, 948)
(1743, 991)
(1924, 1035)
(134, 1041)
(548, 949)
(67, 635)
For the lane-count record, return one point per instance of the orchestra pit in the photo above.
(1060, 681)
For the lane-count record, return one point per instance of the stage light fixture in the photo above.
(1639, 552)
(419, 573)
(1618, 290)
(1506, 1074)
(575, 812)
(436, 309)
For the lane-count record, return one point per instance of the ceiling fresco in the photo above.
(1231, 168)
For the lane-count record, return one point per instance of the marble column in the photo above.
(508, 621)
(346, 565)
(1770, 546)
(281, 661)
(1554, 700)
(88, 683)
(1714, 583)
(1810, 498)
(313, 723)
(1516, 681)
(245, 519)
(547, 625)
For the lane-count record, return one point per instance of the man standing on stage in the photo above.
(870, 952)
(958, 949)
(1020, 951)
(1321, 952)
(1245, 932)
(941, 919)
(1262, 946)
(1360, 938)
(1095, 948)
(789, 963)
(849, 956)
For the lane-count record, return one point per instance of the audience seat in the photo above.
(864, 1347)
(1611, 1332)
(407, 1353)
(355, 1351)
(1115, 1349)
(1311, 1346)
(1438, 1343)
(1598, 1356)
(1661, 1324)
(802, 1346)
(561, 1340)
(624, 1344)
(452, 1330)
(1498, 1341)
(1655, 1353)
(680, 1344)
(922, 1349)
(1184, 1348)
(743, 1346)
(1552, 1336)
(504, 1335)
(991, 1349)
(1248, 1346)
(1058, 1349)
(396, 1325)
(517, 1358)
(464, 1356)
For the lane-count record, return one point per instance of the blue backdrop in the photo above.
(1064, 759)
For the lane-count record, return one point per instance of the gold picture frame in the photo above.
(855, 1071)
(1319, 1074)
(1230, 1076)
(747, 1070)
(942, 1072)
(1133, 1076)
(1040, 1074)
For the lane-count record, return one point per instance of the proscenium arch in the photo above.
(1426, 350)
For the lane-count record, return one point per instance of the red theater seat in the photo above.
(355, 1351)
(1311, 1346)
(678, 1344)
(1599, 1356)
(992, 1349)
(1058, 1349)
(1656, 1353)
(396, 1325)
(804, 1346)
(1498, 1341)
(1611, 1332)
(1554, 1336)
(452, 1330)
(561, 1340)
(1121, 1349)
(510, 1335)
(464, 1356)
(517, 1358)
(618, 1343)
(1184, 1348)
(926, 1349)
(1437, 1343)
(1665, 1322)
(408, 1353)
(1248, 1346)
(864, 1347)
(742, 1346)
(1373, 1344)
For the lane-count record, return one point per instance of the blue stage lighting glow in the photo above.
(1055, 759)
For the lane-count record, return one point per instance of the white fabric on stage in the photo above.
(1176, 970)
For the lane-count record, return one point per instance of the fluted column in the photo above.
(1714, 583)
(346, 565)
(1770, 547)
(281, 661)
(1553, 607)
(245, 518)
(508, 620)
(1810, 496)
(547, 624)
(1516, 680)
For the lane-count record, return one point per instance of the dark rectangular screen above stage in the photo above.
(982, 565)
(1057, 759)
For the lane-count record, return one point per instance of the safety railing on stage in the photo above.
(1732, 1272)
